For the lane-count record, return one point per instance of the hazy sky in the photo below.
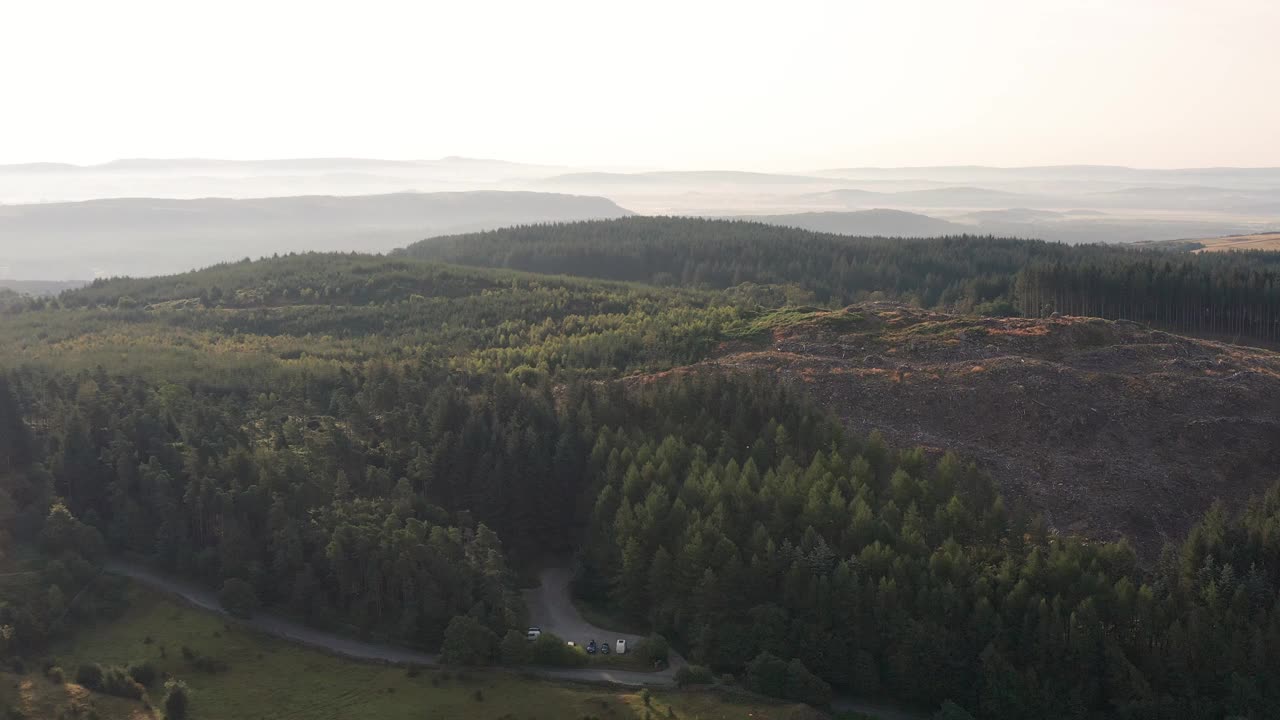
(779, 85)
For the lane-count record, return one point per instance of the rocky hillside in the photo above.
(1109, 428)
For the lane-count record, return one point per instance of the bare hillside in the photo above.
(1108, 427)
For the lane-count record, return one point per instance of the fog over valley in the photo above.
(144, 217)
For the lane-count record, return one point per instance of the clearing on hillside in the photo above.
(1109, 428)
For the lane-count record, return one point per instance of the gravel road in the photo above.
(350, 647)
(550, 607)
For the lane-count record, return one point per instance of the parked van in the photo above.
(622, 647)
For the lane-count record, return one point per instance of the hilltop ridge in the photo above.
(1111, 428)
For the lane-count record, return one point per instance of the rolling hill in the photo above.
(877, 222)
(1110, 428)
(146, 236)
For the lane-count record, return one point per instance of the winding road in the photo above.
(550, 608)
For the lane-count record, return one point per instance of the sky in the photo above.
(688, 84)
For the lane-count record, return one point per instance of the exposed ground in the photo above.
(35, 696)
(1261, 241)
(1109, 428)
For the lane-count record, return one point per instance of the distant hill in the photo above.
(1015, 215)
(41, 287)
(1257, 241)
(963, 196)
(142, 236)
(877, 222)
(691, 177)
(1220, 176)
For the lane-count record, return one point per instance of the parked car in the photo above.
(622, 646)
(591, 648)
(604, 648)
(533, 634)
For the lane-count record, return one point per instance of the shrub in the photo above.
(866, 674)
(56, 675)
(655, 649)
(89, 675)
(515, 650)
(176, 700)
(804, 686)
(116, 681)
(767, 675)
(952, 711)
(203, 663)
(468, 642)
(144, 672)
(694, 675)
(238, 598)
(551, 650)
(647, 697)
(210, 665)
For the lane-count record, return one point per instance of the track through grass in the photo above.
(267, 678)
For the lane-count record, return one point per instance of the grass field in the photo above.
(271, 679)
(1261, 241)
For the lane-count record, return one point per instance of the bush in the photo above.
(468, 642)
(56, 675)
(89, 675)
(694, 675)
(952, 711)
(771, 675)
(655, 649)
(116, 681)
(238, 598)
(551, 650)
(866, 674)
(767, 675)
(203, 663)
(804, 686)
(144, 672)
(515, 650)
(176, 700)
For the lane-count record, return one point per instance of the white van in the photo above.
(622, 647)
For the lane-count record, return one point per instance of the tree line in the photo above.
(392, 467)
(1235, 294)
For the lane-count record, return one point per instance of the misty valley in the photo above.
(673, 360)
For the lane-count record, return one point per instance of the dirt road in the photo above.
(550, 608)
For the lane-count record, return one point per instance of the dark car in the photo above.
(591, 648)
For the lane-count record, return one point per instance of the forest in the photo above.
(382, 445)
(1233, 294)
